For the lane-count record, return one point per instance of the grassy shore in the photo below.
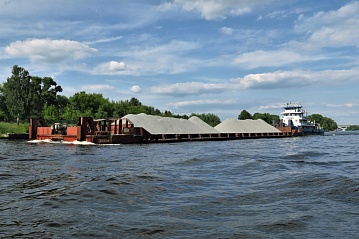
(13, 128)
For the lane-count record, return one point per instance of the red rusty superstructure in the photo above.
(123, 131)
(289, 130)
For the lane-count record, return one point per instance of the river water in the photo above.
(303, 187)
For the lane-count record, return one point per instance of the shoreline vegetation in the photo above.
(13, 128)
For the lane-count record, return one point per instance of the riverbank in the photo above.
(14, 131)
(14, 136)
(6, 127)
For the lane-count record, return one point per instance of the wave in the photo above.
(49, 141)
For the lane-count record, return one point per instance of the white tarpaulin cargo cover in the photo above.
(245, 126)
(194, 125)
(167, 125)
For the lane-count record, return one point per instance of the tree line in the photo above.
(23, 96)
(353, 127)
(326, 123)
(269, 118)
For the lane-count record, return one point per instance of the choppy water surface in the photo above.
(304, 187)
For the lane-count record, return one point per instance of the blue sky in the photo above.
(202, 56)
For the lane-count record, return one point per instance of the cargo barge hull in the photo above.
(123, 131)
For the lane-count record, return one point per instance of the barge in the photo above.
(142, 128)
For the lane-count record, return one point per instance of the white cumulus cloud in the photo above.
(214, 10)
(135, 89)
(335, 28)
(46, 50)
(201, 102)
(295, 79)
(190, 88)
(96, 87)
(271, 80)
(111, 68)
(278, 58)
(159, 59)
(226, 30)
(116, 66)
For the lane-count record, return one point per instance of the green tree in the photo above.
(70, 114)
(134, 106)
(37, 105)
(50, 113)
(101, 112)
(44, 92)
(25, 95)
(17, 93)
(209, 118)
(244, 115)
(326, 123)
(49, 91)
(317, 118)
(62, 103)
(4, 115)
(167, 113)
(353, 127)
(89, 105)
(135, 102)
(269, 118)
(119, 109)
